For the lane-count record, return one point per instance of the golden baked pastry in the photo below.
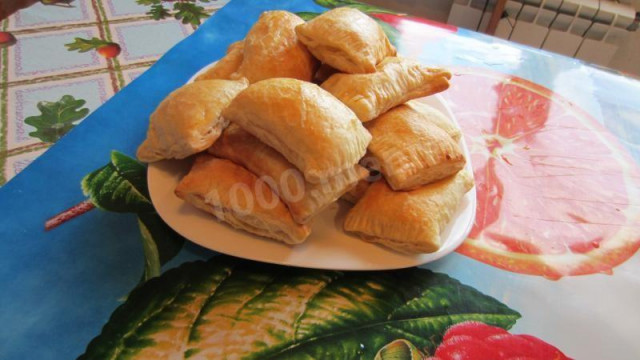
(346, 39)
(303, 199)
(227, 65)
(312, 129)
(323, 73)
(188, 121)
(272, 49)
(411, 150)
(357, 192)
(437, 118)
(236, 196)
(408, 221)
(236, 46)
(396, 81)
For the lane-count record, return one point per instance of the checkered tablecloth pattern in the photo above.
(38, 67)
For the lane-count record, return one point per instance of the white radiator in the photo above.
(590, 30)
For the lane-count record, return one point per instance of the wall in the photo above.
(626, 59)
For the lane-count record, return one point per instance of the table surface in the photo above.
(553, 252)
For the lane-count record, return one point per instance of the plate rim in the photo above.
(412, 260)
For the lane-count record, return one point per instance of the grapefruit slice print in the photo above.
(557, 194)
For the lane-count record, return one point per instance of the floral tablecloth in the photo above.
(550, 269)
(41, 69)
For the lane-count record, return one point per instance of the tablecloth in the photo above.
(40, 68)
(550, 267)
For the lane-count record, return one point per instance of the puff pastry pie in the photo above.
(312, 129)
(303, 199)
(396, 81)
(411, 150)
(437, 118)
(236, 196)
(323, 73)
(346, 39)
(188, 121)
(227, 65)
(272, 49)
(357, 192)
(408, 221)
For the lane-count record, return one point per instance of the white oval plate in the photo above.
(328, 246)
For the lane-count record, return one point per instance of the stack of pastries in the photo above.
(300, 114)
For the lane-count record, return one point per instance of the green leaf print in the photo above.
(119, 186)
(370, 9)
(160, 243)
(306, 16)
(56, 118)
(148, 2)
(189, 13)
(84, 45)
(399, 350)
(232, 309)
(158, 11)
(391, 32)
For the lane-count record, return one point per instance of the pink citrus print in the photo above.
(397, 20)
(557, 194)
(474, 340)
